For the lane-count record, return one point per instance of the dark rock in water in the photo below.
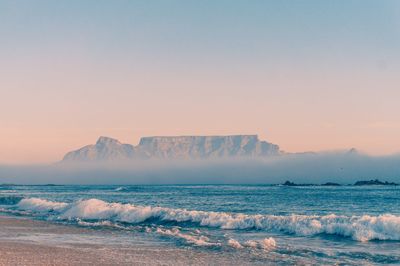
(374, 182)
(331, 184)
(291, 184)
(288, 183)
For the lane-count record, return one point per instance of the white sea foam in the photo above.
(360, 228)
(40, 205)
(267, 243)
(234, 243)
(100, 223)
(196, 240)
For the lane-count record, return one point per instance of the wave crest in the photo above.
(41, 205)
(360, 228)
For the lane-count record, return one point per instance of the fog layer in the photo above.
(308, 168)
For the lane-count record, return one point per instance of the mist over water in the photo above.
(342, 168)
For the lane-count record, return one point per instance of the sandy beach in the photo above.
(30, 242)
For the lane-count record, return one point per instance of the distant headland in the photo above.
(375, 182)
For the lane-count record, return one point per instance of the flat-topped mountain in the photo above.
(178, 147)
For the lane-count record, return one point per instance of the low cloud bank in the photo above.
(307, 168)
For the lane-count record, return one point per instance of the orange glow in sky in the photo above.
(318, 76)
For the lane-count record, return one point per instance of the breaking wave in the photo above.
(360, 228)
(41, 205)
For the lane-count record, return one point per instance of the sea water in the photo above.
(268, 223)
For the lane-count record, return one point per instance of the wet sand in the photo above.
(29, 242)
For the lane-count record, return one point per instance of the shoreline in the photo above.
(31, 242)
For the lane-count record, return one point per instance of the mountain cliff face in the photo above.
(180, 147)
(105, 149)
(194, 147)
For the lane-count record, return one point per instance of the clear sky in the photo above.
(307, 75)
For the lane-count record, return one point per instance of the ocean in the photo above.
(271, 224)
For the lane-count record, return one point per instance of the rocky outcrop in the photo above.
(375, 182)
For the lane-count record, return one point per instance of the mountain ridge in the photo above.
(175, 147)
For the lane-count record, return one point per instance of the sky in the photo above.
(306, 75)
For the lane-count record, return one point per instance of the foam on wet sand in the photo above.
(30, 242)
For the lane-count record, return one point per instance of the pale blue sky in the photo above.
(307, 75)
